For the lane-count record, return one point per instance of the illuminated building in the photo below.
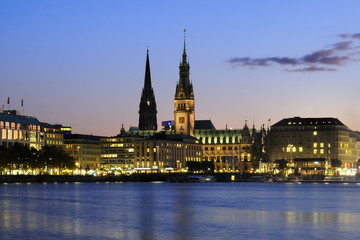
(146, 151)
(313, 138)
(231, 150)
(184, 103)
(117, 154)
(147, 107)
(27, 130)
(85, 150)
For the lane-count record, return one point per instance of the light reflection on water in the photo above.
(179, 211)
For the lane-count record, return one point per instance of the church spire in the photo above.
(147, 107)
(147, 71)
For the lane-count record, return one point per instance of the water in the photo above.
(179, 211)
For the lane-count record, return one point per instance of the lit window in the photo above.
(315, 145)
(300, 149)
(329, 145)
(321, 145)
(315, 133)
(321, 151)
(315, 151)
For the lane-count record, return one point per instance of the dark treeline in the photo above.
(22, 159)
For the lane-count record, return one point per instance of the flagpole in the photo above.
(8, 102)
(22, 106)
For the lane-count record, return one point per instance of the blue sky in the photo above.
(82, 63)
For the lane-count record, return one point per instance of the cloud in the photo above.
(338, 54)
(312, 69)
(263, 62)
(343, 45)
(355, 35)
(324, 57)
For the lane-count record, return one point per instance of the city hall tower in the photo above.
(184, 103)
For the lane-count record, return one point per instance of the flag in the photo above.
(22, 102)
(8, 101)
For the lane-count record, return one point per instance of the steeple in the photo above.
(147, 71)
(184, 103)
(184, 51)
(184, 87)
(147, 107)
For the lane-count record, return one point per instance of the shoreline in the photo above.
(150, 177)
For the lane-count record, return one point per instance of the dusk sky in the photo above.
(82, 63)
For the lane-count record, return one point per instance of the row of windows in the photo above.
(19, 126)
(226, 148)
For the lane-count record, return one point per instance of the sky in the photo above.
(81, 63)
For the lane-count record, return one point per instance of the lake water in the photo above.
(179, 211)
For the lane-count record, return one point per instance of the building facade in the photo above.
(230, 150)
(85, 150)
(313, 138)
(27, 130)
(159, 152)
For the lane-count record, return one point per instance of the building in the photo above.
(85, 150)
(230, 150)
(117, 154)
(144, 151)
(313, 139)
(147, 107)
(27, 130)
(184, 102)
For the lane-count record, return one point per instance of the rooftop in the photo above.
(308, 122)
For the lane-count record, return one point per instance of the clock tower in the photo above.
(184, 103)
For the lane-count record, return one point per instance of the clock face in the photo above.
(181, 120)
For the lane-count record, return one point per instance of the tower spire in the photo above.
(184, 56)
(184, 111)
(147, 71)
(147, 107)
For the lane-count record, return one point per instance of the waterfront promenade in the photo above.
(168, 177)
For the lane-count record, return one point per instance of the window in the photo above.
(315, 133)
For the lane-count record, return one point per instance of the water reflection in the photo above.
(178, 211)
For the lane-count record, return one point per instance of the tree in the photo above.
(203, 166)
(281, 165)
(4, 158)
(54, 157)
(21, 156)
(335, 163)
